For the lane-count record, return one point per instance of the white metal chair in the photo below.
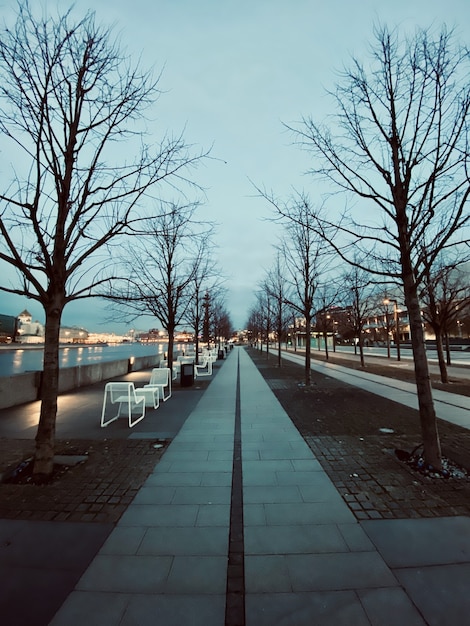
(175, 369)
(151, 395)
(122, 393)
(211, 355)
(160, 378)
(189, 358)
(204, 369)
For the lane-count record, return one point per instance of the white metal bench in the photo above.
(160, 378)
(204, 369)
(123, 393)
(189, 358)
(151, 395)
(211, 355)
(176, 368)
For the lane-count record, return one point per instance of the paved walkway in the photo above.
(239, 503)
(450, 407)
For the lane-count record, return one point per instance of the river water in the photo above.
(21, 360)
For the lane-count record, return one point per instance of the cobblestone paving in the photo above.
(341, 424)
(97, 490)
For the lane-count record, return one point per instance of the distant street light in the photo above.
(397, 327)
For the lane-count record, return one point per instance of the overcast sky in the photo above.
(233, 72)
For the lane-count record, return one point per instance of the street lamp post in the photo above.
(397, 327)
(387, 326)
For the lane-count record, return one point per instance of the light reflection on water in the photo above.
(31, 359)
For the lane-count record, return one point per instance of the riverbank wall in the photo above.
(22, 388)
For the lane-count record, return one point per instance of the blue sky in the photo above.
(233, 71)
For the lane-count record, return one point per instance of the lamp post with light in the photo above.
(397, 328)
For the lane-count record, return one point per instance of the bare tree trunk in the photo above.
(171, 347)
(308, 355)
(447, 348)
(325, 339)
(45, 436)
(427, 414)
(440, 357)
(361, 352)
(196, 347)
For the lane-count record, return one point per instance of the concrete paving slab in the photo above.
(92, 608)
(202, 495)
(267, 573)
(126, 574)
(175, 610)
(161, 479)
(348, 570)
(355, 537)
(269, 493)
(197, 575)
(389, 607)
(220, 455)
(204, 541)
(419, 542)
(213, 515)
(160, 515)
(222, 479)
(294, 540)
(124, 540)
(260, 478)
(440, 592)
(312, 477)
(254, 515)
(308, 513)
(182, 466)
(155, 495)
(336, 608)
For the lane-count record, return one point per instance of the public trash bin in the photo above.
(220, 354)
(187, 374)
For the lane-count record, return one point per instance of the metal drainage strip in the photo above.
(235, 598)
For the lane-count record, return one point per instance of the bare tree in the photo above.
(326, 296)
(304, 256)
(68, 98)
(204, 282)
(445, 296)
(213, 310)
(254, 324)
(381, 304)
(357, 297)
(161, 268)
(220, 319)
(262, 317)
(400, 147)
(275, 287)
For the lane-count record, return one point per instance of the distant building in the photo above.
(154, 334)
(27, 330)
(73, 334)
(8, 326)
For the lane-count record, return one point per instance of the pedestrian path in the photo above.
(450, 407)
(183, 555)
